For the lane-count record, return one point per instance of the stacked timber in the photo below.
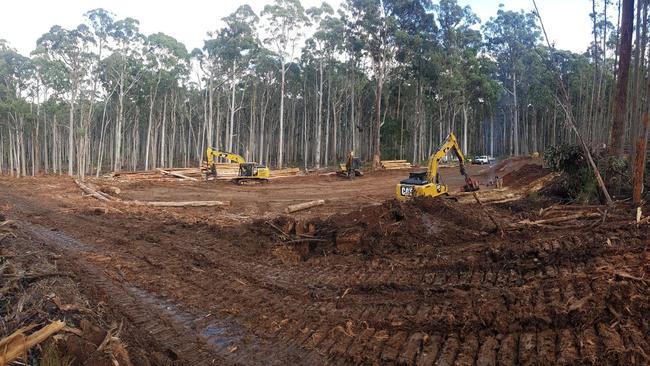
(225, 171)
(287, 172)
(395, 164)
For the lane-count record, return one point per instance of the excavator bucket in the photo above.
(470, 185)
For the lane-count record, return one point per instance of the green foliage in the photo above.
(577, 181)
(564, 158)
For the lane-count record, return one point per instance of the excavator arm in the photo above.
(451, 143)
(213, 153)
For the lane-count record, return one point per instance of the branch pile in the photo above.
(581, 216)
(502, 195)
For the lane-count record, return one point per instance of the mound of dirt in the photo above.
(392, 227)
(524, 175)
(507, 163)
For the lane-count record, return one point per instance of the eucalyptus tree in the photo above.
(122, 70)
(237, 43)
(509, 37)
(71, 50)
(460, 43)
(285, 20)
(100, 22)
(265, 73)
(373, 27)
(165, 58)
(419, 63)
(620, 101)
(326, 42)
(15, 69)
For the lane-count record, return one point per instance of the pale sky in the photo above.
(24, 21)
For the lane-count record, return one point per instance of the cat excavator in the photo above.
(428, 184)
(249, 172)
(351, 168)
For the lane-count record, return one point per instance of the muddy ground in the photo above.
(361, 280)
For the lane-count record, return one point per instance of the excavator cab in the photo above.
(250, 170)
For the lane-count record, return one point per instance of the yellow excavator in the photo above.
(249, 172)
(351, 168)
(428, 183)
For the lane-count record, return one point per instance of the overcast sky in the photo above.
(24, 21)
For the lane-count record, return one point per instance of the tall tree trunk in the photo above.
(71, 138)
(620, 101)
(319, 118)
(232, 108)
(281, 131)
(376, 132)
(515, 119)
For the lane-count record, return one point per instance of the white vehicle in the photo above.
(482, 159)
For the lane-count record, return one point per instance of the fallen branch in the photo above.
(18, 344)
(101, 197)
(92, 192)
(278, 229)
(177, 175)
(305, 240)
(34, 276)
(304, 206)
(176, 204)
(487, 212)
(560, 219)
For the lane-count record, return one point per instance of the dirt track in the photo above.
(431, 283)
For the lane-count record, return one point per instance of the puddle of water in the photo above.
(215, 332)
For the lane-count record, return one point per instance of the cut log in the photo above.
(554, 220)
(304, 206)
(176, 204)
(92, 192)
(177, 175)
(17, 344)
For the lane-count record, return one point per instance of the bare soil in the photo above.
(363, 279)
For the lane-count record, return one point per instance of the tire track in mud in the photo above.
(185, 336)
(159, 320)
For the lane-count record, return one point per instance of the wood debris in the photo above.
(18, 343)
(395, 164)
(304, 206)
(106, 198)
(177, 175)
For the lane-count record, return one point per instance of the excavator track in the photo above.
(249, 181)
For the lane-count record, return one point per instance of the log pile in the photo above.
(287, 172)
(503, 195)
(395, 164)
(225, 171)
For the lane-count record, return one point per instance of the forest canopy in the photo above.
(292, 86)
